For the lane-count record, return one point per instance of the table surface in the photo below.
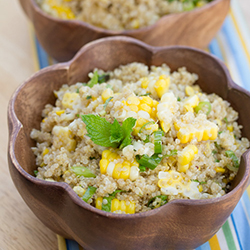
(19, 228)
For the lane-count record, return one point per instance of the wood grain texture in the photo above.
(171, 226)
(63, 38)
(19, 228)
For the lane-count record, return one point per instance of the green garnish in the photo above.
(92, 158)
(106, 134)
(88, 97)
(77, 115)
(178, 99)
(157, 141)
(77, 91)
(146, 94)
(214, 152)
(164, 200)
(148, 162)
(144, 125)
(107, 102)
(172, 153)
(225, 120)
(201, 182)
(147, 139)
(201, 105)
(94, 80)
(217, 145)
(220, 132)
(82, 171)
(89, 193)
(234, 159)
(103, 78)
(35, 172)
(107, 207)
(142, 168)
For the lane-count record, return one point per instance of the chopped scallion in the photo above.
(201, 105)
(35, 172)
(157, 141)
(82, 171)
(89, 193)
(163, 200)
(107, 102)
(88, 97)
(149, 162)
(233, 157)
(172, 153)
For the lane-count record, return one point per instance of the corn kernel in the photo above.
(186, 156)
(79, 190)
(189, 91)
(161, 86)
(144, 82)
(220, 170)
(145, 107)
(70, 99)
(200, 188)
(98, 203)
(133, 100)
(106, 94)
(134, 108)
(45, 151)
(230, 128)
(60, 112)
(191, 102)
(147, 100)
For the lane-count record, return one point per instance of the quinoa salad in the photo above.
(132, 139)
(117, 14)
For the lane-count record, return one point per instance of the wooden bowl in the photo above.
(180, 224)
(63, 38)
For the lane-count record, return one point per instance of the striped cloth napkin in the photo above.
(231, 45)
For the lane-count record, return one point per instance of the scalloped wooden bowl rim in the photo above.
(118, 32)
(77, 200)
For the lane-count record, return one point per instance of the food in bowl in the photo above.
(134, 138)
(117, 14)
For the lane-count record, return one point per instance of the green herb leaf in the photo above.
(106, 134)
(157, 141)
(103, 78)
(89, 193)
(147, 139)
(225, 120)
(82, 171)
(94, 80)
(178, 99)
(88, 97)
(146, 94)
(201, 106)
(116, 132)
(127, 128)
(107, 102)
(172, 153)
(116, 192)
(98, 130)
(233, 157)
(149, 162)
(35, 172)
(217, 145)
(201, 182)
(214, 152)
(107, 207)
(164, 200)
(142, 168)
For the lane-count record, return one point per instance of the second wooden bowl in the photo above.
(63, 38)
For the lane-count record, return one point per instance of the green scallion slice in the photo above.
(89, 193)
(234, 159)
(201, 105)
(94, 80)
(163, 198)
(172, 153)
(107, 102)
(82, 171)
(157, 141)
(148, 162)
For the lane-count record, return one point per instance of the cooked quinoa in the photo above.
(135, 138)
(117, 14)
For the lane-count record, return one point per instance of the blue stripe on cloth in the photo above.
(42, 55)
(228, 29)
(246, 200)
(214, 48)
(241, 226)
(205, 246)
(72, 245)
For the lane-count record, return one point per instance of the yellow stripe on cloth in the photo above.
(214, 243)
(61, 243)
(240, 35)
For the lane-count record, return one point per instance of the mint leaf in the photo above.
(106, 134)
(127, 128)
(116, 132)
(98, 130)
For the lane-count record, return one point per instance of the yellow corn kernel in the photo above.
(165, 127)
(121, 170)
(115, 205)
(230, 128)
(140, 122)
(218, 121)
(130, 208)
(44, 120)
(144, 82)
(79, 190)
(134, 108)
(220, 170)
(45, 151)
(136, 24)
(106, 94)
(161, 86)
(70, 99)
(200, 3)
(145, 107)
(189, 91)
(60, 112)
(147, 100)
(103, 165)
(200, 188)
(133, 100)
(123, 206)
(191, 102)
(42, 164)
(98, 203)
(186, 156)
